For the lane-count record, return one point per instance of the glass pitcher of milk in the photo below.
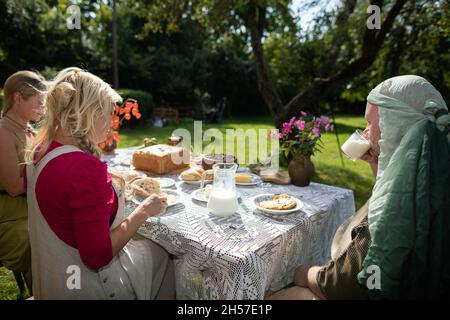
(223, 197)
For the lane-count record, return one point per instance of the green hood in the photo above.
(403, 101)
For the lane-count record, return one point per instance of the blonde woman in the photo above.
(80, 241)
(23, 100)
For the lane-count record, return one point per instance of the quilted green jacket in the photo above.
(411, 236)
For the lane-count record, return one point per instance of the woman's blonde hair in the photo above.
(27, 83)
(75, 99)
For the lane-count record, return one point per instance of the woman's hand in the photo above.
(153, 205)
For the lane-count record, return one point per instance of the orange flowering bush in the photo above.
(122, 112)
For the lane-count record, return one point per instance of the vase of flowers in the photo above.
(122, 112)
(300, 138)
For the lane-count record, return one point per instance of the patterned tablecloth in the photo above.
(250, 254)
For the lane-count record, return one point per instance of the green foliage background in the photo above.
(182, 52)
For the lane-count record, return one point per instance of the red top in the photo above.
(76, 197)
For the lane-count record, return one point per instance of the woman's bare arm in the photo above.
(10, 178)
(153, 205)
(123, 232)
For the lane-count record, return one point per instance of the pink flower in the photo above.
(280, 136)
(287, 127)
(292, 120)
(324, 120)
(329, 127)
(316, 132)
(316, 122)
(273, 132)
(301, 125)
(303, 113)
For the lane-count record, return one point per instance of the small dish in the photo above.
(195, 182)
(255, 180)
(269, 196)
(165, 182)
(173, 198)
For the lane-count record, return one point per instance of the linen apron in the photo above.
(136, 272)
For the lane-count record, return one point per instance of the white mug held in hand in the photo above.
(355, 146)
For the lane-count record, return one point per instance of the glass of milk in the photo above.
(355, 146)
(223, 197)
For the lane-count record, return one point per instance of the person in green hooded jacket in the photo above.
(397, 246)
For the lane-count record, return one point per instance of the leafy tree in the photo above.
(253, 52)
(262, 16)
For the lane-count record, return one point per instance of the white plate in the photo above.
(255, 180)
(128, 174)
(269, 196)
(195, 182)
(173, 198)
(165, 182)
(199, 195)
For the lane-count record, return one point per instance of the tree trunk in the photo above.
(254, 18)
(114, 38)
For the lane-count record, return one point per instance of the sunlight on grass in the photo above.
(8, 286)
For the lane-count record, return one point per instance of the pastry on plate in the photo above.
(243, 178)
(146, 187)
(198, 169)
(192, 174)
(279, 202)
(209, 175)
(282, 196)
(131, 175)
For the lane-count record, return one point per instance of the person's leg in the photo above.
(15, 251)
(293, 293)
(28, 281)
(163, 284)
(167, 289)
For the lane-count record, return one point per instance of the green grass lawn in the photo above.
(356, 176)
(8, 286)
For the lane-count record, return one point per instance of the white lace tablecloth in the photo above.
(250, 254)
